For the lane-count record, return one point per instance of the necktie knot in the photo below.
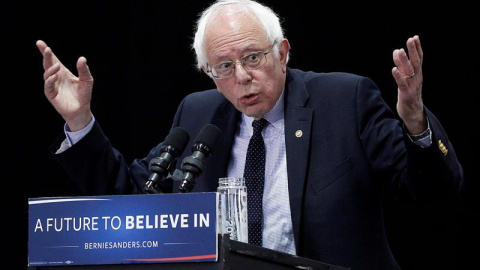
(258, 125)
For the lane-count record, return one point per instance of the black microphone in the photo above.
(193, 165)
(161, 166)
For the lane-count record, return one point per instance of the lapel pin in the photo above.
(442, 147)
(298, 133)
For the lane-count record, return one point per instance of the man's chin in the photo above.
(255, 113)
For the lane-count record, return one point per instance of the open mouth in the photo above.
(248, 99)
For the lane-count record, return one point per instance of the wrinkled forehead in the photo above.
(233, 28)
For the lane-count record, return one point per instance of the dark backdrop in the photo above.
(140, 56)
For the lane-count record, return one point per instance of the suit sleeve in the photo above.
(97, 168)
(410, 171)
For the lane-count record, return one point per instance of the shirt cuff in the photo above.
(74, 137)
(423, 139)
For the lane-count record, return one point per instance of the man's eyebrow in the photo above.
(249, 49)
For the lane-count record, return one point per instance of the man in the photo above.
(334, 148)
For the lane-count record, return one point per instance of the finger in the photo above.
(418, 46)
(83, 70)
(50, 86)
(41, 45)
(403, 63)
(49, 58)
(415, 52)
(51, 71)
(399, 79)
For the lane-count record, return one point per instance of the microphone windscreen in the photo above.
(208, 135)
(177, 138)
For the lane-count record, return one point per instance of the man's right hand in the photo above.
(70, 95)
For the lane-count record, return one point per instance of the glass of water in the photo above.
(232, 204)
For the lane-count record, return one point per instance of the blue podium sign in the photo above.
(123, 229)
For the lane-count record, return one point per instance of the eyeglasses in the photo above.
(249, 62)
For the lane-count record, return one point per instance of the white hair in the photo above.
(268, 19)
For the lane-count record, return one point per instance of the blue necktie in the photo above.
(254, 175)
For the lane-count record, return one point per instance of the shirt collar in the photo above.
(274, 116)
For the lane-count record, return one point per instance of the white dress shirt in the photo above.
(277, 219)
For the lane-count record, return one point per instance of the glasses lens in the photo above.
(254, 60)
(222, 70)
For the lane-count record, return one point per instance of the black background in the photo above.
(140, 56)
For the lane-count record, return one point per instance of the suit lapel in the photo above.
(225, 118)
(298, 123)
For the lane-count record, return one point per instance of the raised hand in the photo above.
(70, 95)
(409, 78)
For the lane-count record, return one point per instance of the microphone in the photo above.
(161, 166)
(193, 165)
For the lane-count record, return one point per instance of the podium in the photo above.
(232, 255)
(127, 232)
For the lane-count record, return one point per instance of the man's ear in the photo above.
(283, 52)
(209, 74)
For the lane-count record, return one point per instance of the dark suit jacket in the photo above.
(353, 153)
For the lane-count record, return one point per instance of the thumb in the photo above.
(83, 70)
